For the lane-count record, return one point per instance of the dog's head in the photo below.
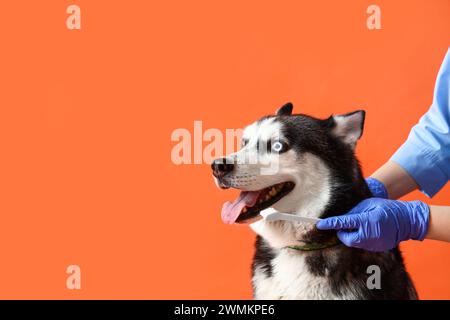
(290, 162)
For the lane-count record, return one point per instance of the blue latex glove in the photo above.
(377, 224)
(377, 188)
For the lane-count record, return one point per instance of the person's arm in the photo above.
(425, 155)
(422, 162)
(377, 224)
(395, 179)
(397, 183)
(439, 224)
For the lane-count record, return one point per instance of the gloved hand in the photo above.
(377, 224)
(377, 188)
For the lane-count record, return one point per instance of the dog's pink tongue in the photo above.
(232, 210)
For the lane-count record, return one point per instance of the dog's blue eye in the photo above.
(277, 146)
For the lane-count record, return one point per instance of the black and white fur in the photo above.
(328, 181)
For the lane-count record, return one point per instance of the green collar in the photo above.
(312, 246)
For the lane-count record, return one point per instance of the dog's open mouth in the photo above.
(249, 203)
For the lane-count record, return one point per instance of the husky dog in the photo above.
(305, 166)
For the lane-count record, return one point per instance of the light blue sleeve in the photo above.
(426, 153)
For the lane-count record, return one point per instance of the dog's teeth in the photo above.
(272, 191)
(244, 210)
(267, 197)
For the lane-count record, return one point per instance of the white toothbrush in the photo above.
(273, 215)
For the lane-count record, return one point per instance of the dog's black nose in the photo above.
(222, 166)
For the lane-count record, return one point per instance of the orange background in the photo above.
(86, 117)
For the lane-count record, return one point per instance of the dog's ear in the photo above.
(349, 127)
(285, 110)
